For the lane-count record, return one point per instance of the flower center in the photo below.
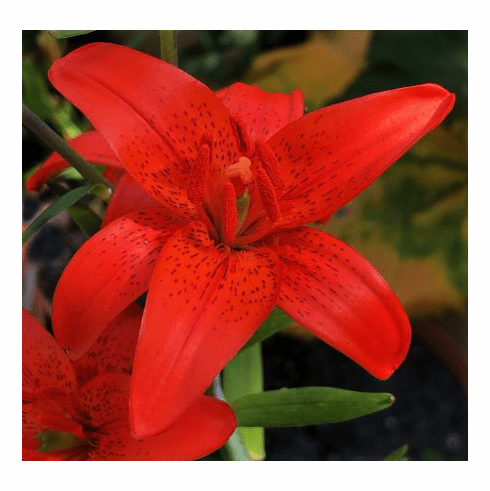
(241, 204)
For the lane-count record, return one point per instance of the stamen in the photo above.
(268, 195)
(269, 163)
(244, 141)
(230, 213)
(197, 183)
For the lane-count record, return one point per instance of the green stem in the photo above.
(56, 143)
(168, 46)
(234, 448)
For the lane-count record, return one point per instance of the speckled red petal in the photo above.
(91, 146)
(202, 306)
(335, 293)
(332, 154)
(152, 114)
(105, 398)
(114, 349)
(53, 412)
(263, 113)
(109, 272)
(44, 364)
(129, 196)
(29, 454)
(202, 429)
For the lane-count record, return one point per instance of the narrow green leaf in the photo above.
(243, 376)
(67, 34)
(88, 221)
(398, 454)
(306, 406)
(58, 206)
(276, 321)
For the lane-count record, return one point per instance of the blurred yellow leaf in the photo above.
(322, 67)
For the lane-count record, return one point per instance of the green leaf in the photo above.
(243, 376)
(398, 454)
(276, 321)
(306, 406)
(58, 206)
(67, 34)
(88, 221)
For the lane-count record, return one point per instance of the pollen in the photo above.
(268, 195)
(244, 141)
(269, 163)
(197, 184)
(230, 213)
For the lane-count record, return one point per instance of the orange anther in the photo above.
(197, 183)
(269, 162)
(268, 195)
(243, 138)
(230, 213)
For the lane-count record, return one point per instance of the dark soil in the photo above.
(430, 413)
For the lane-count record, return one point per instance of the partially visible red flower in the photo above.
(237, 175)
(92, 147)
(79, 411)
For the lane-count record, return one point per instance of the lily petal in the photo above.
(29, 454)
(105, 399)
(130, 196)
(44, 364)
(109, 272)
(262, 113)
(152, 114)
(114, 350)
(336, 294)
(91, 146)
(332, 154)
(50, 412)
(201, 430)
(202, 306)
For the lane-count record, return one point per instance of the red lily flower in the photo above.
(238, 175)
(79, 411)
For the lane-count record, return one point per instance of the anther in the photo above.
(230, 213)
(243, 138)
(269, 162)
(268, 195)
(197, 183)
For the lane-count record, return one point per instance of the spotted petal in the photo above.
(201, 430)
(203, 305)
(114, 349)
(91, 146)
(109, 272)
(332, 154)
(44, 364)
(130, 196)
(336, 294)
(152, 114)
(262, 113)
